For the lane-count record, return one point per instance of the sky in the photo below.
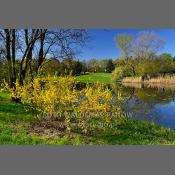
(102, 44)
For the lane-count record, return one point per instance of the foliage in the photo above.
(118, 74)
(98, 65)
(120, 62)
(3, 69)
(70, 67)
(59, 94)
(166, 56)
(78, 68)
(50, 94)
(106, 65)
(166, 65)
(110, 66)
(93, 65)
(147, 68)
(50, 67)
(124, 42)
(122, 71)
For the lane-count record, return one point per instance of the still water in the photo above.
(154, 103)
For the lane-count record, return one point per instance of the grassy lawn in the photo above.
(14, 121)
(94, 77)
(16, 118)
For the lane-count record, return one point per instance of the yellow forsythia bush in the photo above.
(59, 94)
(96, 98)
(52, 94)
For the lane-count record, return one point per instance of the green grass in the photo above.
(94, 77)
(15, 118)
(133, 132)
(11, 112)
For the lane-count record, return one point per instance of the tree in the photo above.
(148, 68)
(25, 63)
(77, 68)
(8, 49)
(166, 64)
(119, 62)
(50, 66)
(69, 66)
(119, 73)
(110, 66)
(93, 65)
(103, 65)
(131, 65)
(37, 43)
(41, 54)
(60, 43)
(84, 66)
(166, 56)
(124, 42)
(8, 55)
(147, 44)
(3, 69)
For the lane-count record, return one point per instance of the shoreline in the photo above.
(152, 83)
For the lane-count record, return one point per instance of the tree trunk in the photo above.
(41, 55)
(27, 57)
(8, 56)
(14, 55)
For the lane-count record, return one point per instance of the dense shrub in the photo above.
(120, 72)
(147, 68)
(51, 95)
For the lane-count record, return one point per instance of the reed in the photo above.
(132, 80)
(167, 79)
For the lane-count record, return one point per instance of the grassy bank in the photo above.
(94, 77)
(15, 119)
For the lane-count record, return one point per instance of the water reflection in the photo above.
(150, 102)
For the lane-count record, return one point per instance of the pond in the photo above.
(153, 103)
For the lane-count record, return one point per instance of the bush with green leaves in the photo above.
(147, 68)
(119, 73)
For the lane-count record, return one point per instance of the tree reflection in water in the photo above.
(150, 102)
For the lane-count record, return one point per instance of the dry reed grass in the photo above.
(167, 79)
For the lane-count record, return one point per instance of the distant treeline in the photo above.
(66, 66)
(70, 66)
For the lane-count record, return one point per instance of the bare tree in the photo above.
(8, 49)
(24, 45)
(147, 45)
(30, 40)
(59, 43)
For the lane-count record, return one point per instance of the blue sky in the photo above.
(102, 44)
